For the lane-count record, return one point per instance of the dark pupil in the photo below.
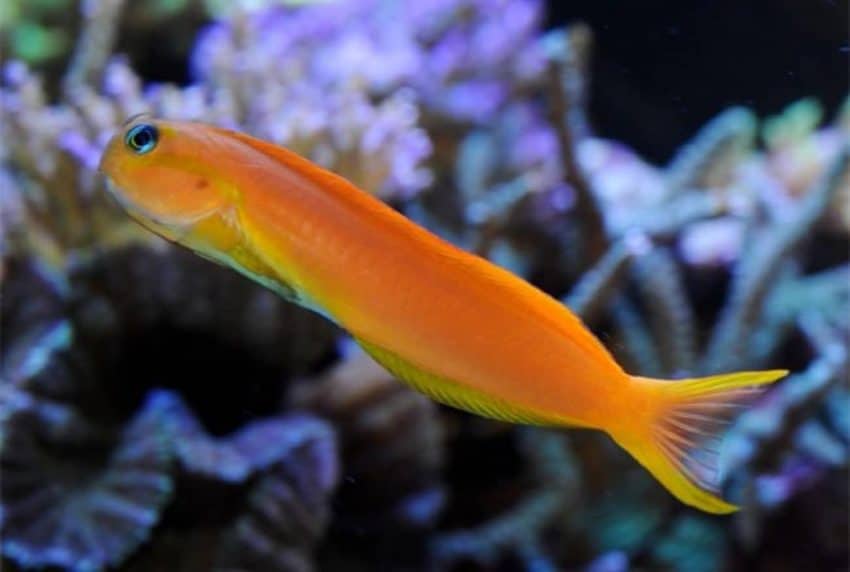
(142, 138)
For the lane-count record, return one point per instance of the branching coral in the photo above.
(700, 184)
(568, 56)
(292, 93)
(759, 270)
(60, 205)
(518, 533)
(782, 447)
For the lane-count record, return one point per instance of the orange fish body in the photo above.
(451, 324)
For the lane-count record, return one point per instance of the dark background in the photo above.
(662, 68)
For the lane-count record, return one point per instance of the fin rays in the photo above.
(679, 442)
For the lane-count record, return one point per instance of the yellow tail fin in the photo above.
(677, 436)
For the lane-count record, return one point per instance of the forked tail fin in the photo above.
(677, 435)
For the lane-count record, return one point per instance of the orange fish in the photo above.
(452, 325)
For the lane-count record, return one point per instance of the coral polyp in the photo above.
(79, 495)
(250, 450)
(401, 482)
(288, 509)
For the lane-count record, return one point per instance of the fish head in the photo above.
(168, 177)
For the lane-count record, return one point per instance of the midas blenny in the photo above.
(451, 324)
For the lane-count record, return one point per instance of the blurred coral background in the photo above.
(676, 173)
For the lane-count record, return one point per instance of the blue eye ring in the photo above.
(141, 138)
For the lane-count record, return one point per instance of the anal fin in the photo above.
(453, 393)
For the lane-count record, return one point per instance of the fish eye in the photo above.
(141, 138)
